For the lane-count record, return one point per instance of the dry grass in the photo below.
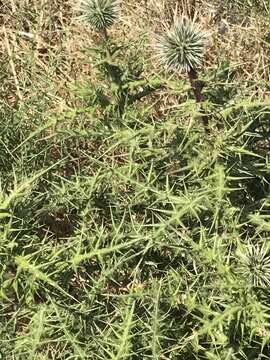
(43, 43)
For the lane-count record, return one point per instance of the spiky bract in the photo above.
(182, 47)
(100, 14)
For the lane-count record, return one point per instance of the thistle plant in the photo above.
(126, 85)
(255, 265)
(100, 14)
(182, 49)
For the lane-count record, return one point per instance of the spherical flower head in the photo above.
(255, 265)
(182, 47)
(100, 14)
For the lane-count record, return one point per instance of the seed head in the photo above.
(182, 47)
(255, 265)
(100, 14)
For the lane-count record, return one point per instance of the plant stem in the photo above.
(197, 89)
(105, 34)
(113, 75)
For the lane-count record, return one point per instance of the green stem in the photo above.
(121, 95)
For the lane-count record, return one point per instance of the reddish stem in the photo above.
(197, 89)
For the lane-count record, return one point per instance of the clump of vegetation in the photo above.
(120, 70)
(125, 231)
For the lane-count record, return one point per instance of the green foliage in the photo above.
(133, 251)
(119, 69)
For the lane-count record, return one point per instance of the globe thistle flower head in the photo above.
(182, 47)
(255, 265)
(100, 14)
